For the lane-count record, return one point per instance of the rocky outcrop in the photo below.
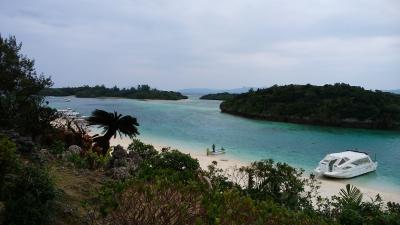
(123, 164)
(119, 173)
(24, 143)
(44, 156)
(72, 150)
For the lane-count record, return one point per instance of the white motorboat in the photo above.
(346, 164)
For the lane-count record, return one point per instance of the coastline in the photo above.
(328, 187)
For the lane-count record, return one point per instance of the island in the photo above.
(219, 96)
(339, 105)
(140, 92)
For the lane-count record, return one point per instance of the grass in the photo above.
(75, 187)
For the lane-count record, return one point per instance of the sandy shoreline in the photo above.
(328, 188)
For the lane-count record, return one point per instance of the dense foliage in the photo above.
(219, 96)
(140, 92)
(21, 107)
(278, 182)
(336, 105)
(9, 163)
(27, 191)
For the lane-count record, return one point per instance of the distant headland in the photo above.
(339, 105)
(219, 96)
(140, 92)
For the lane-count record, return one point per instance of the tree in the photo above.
(21, 107)
(112, 123)
(351, 197)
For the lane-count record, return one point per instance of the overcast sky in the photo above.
(174, 44)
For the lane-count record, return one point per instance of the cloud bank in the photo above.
(217, 44)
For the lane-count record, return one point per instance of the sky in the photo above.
(176, 44)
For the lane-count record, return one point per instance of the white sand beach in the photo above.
(328, 188)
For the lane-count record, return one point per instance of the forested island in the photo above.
(140, 92)
(333, 105)
(218, 96)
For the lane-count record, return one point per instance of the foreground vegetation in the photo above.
(53, 172)
(219, 96)
(140, 92)
(334, 105)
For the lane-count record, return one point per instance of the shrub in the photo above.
(172, 165)
(78, 161)
(350, 217)
(106, 199)
(351, 210)
(89, 160)
(145, 151)
(9, 163)
(176, 160)
(393, 207)
(95, 160)
(57, 147)
(155, 203)
(231, 207)
(278, 182)
(217, 177)
(30, 198)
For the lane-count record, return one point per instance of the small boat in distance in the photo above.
(346, 164)
(67, 99)
(215, 152)
(69, 113)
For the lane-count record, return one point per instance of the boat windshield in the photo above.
(331, 164)
(361, 161)
(343, 160)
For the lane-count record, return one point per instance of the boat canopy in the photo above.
(351, 155)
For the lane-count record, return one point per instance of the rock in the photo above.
(119, 152)
(118, 157)
(68, 210)
(119, 173)
(119, 163)
(44, 155)
(24, 143)
(74, 149)
(132, 164)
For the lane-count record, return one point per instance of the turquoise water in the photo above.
(196, 124)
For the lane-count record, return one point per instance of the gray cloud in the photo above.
(217, 44)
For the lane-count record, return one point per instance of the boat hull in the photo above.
(215, 153)
(348, 174)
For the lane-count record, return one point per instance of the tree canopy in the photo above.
(218, 96)
(335, 105)
(140, 92)
(21, 107)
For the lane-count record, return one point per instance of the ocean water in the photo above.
(197, 124)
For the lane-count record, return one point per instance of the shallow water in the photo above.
(197, 124)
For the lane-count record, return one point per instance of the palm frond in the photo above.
(351, 196)
(127, 125)
(101, 118)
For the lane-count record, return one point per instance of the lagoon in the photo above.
(197, 124)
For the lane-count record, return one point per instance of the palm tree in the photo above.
(351, 197)
(112, 123)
